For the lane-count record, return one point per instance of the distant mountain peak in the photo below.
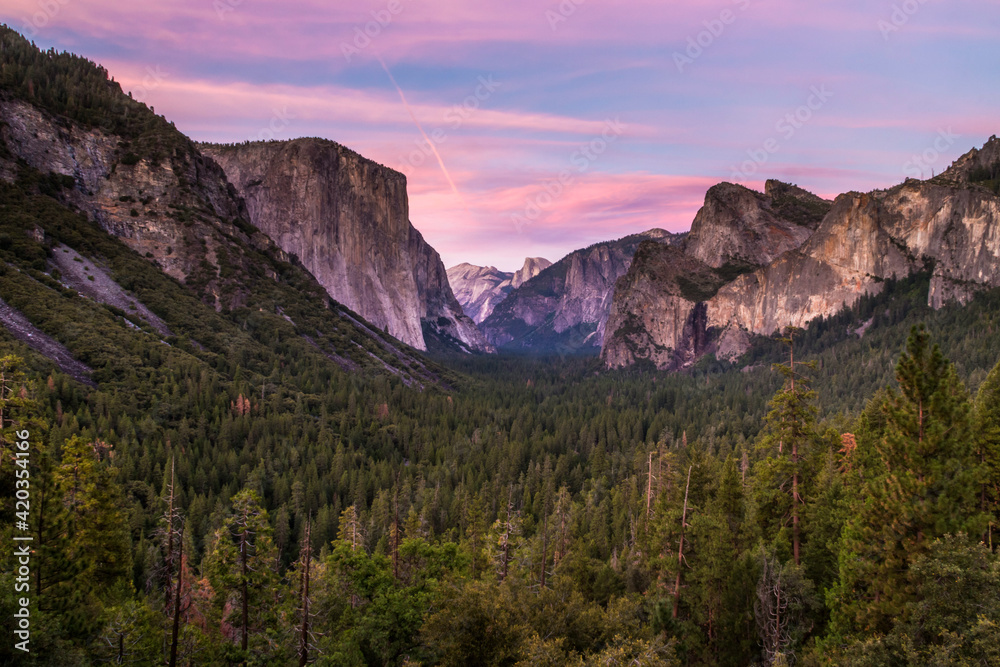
(785, 257)
(481, 288)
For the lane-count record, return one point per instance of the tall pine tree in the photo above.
(922, 481)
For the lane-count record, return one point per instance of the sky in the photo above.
(532, 128)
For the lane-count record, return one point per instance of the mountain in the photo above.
(532, 267)
(742, 228)
(791, 275)
(480, 288)
(346, 219)
(109, 210)
(565, 307)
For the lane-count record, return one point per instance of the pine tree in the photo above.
(787, 440)
(922, 481)
(240, 567)
(987, 420)
(722, 577)
(350, 529)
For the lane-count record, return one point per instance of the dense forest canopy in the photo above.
(229, 495)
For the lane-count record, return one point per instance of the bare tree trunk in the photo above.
(395, 532)
(545, 540)
(304, 636)
(649, 486)
(177, 601)
(680, 548)
(244, 593)
(659, 470)
(170, 537)
(505, 558)
(796, 528)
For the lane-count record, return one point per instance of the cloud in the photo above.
(232, 67)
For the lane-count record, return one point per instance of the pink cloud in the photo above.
(593, 207)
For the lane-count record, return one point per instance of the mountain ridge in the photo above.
(948, 225)
(347, 220)
(480, 288)
(565, 307)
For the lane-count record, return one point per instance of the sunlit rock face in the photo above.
(346, 218)
(565, 308)
(480, 288)
(785, 257)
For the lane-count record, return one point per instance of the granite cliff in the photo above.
(480, 288)
(126, 216)
(659, 308)
(788, 276)
(346, 219)
(565, 307)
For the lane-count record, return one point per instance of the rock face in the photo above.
(480, 288)
(661, 307)
(531, 268)
(950, 223)
(655, 313)
(565, 307)
(178, 210)
(739, 227)
(346, 218)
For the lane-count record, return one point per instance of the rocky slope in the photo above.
(659, 311)
(161, 236)
(950, 223)
(740, 227)
(346, 219)
(480, 288)
(565, 307)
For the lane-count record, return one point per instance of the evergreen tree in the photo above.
(788, 439)
(953, 617)
(925, 484)
(240, 567)
(987, 420)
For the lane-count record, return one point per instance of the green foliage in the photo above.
(615, 498)
(76, 88)
(954, 618)
(241, 567)
(987, 430)
(924, 485)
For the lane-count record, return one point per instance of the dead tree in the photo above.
(304, 596)
(680, 548)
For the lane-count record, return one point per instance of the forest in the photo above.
(229, 495)
(838, 510)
